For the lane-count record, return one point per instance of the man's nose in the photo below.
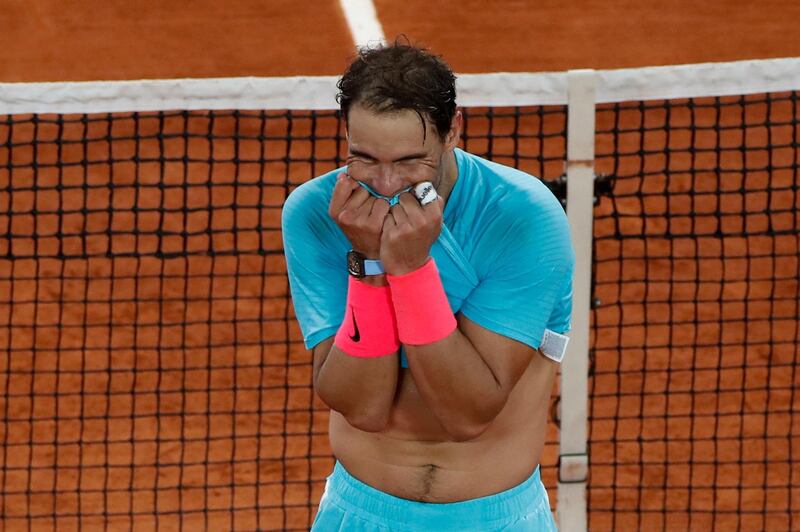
(387, 181)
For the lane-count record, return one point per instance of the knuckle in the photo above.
(345, 217)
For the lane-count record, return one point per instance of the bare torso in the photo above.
(414, 458)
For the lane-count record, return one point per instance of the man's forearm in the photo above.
(453, 378)
(361, 389)
(456, 384)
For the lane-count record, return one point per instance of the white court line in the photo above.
(363, 21)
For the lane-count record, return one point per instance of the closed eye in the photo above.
(410, 158)
(361, 160)
(355, 154)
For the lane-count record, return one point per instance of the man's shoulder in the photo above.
(311, 196)
(308, 230)
(509, 192)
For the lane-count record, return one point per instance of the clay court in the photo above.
(152, 375)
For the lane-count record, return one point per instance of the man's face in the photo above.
(390, 151)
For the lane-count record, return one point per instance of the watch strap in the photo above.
(373, 267)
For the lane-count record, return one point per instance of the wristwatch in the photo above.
(360, 266)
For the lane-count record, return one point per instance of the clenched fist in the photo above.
(409, 231)
(359, 215)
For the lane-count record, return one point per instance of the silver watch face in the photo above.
(355, 264)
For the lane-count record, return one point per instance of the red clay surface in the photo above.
(519, 35)
(46, 41)
(88, 40)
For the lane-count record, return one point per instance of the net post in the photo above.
(573, 465)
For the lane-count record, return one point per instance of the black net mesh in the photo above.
(694, 417)
(151, 372)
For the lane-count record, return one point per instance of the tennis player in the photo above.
(434, 287)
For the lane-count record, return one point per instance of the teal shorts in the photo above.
(349, 504)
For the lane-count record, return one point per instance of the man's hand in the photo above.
(360, 216)
(409, 231)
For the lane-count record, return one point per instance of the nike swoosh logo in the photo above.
(357, 336)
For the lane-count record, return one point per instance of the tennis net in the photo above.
(152, 373)
(695, 421)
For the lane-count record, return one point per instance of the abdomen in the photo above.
(415, 458)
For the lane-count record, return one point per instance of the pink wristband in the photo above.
(369, 329)
(423, 312)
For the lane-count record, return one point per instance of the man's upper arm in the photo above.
(314, 249)
(525, 285)
(506, 358)
(321, 351)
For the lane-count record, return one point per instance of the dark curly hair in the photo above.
(398, 76)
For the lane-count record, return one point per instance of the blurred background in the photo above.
(50, 40)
